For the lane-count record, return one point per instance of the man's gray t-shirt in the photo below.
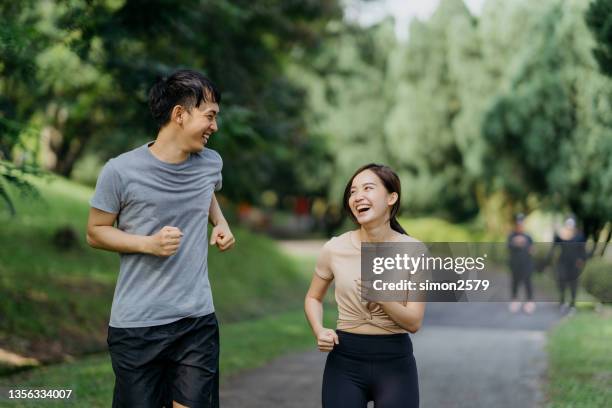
(148, 194)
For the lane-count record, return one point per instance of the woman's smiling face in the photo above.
(369, 200)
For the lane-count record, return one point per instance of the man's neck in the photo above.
(166, 149)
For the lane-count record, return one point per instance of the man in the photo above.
(152, 205)
(520, 245)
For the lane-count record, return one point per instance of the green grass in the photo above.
(580, 369)
(55, 303)
(243, 345)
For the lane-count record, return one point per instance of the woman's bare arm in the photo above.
(313, 307)
(408, 315)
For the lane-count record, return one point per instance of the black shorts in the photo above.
(177, 361)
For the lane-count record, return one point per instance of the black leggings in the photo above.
(567, 276)
(520, 276)
(379, 368)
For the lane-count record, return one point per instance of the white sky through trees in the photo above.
(403, 11)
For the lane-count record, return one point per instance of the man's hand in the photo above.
(222, 237)
(326, 339)
(165, 242)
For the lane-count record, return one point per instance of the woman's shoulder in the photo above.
(339, 240)
(407, 238)
(339, 243)
(414, 244)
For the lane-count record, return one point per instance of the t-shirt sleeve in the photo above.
(107, 196)
(323, 267)
(219, 182)
(218, 166)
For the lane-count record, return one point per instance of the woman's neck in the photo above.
(376, 233)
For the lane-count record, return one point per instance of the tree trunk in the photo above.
(71, 149)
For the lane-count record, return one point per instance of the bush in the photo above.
(597, 279)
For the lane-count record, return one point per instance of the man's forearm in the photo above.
(113, 239)
(215, 215)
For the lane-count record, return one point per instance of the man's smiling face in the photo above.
(199, 123)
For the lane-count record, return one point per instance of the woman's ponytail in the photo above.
(395, 225)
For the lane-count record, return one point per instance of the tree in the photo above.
(97, 59)
(599, 19)
(548, 133)
(348, 98)
(421, 126)
(19, 46)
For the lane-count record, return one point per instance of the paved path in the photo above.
(468, 355)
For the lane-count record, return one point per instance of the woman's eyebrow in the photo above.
(367, 183)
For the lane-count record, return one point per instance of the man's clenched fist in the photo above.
(165, 242)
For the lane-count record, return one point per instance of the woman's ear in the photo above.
(392, 198)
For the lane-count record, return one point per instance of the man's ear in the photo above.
(177, 115)
(392, 198)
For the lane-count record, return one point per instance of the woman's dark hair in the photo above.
(391, 182)
(185, 87)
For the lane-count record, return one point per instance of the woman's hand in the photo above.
(326, 339)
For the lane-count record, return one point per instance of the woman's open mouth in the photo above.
(362, 208)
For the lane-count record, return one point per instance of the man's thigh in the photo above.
(195, 363)
(139, 366)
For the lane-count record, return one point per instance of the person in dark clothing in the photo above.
(572, 258)
(520, 247)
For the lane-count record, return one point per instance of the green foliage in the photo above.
(597, 279)
(82, 71)
(348, 99)
(547, 133)
(599, 19)
(15, 178)
(421, 128)
(502, 112)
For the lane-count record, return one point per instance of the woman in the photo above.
(572, 258)
(371, 353)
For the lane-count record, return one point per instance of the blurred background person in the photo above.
(572, 257)
(520, 247)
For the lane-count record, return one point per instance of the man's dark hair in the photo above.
(185, 87)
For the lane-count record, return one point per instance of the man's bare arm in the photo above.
(102, 234)
(221, 234)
